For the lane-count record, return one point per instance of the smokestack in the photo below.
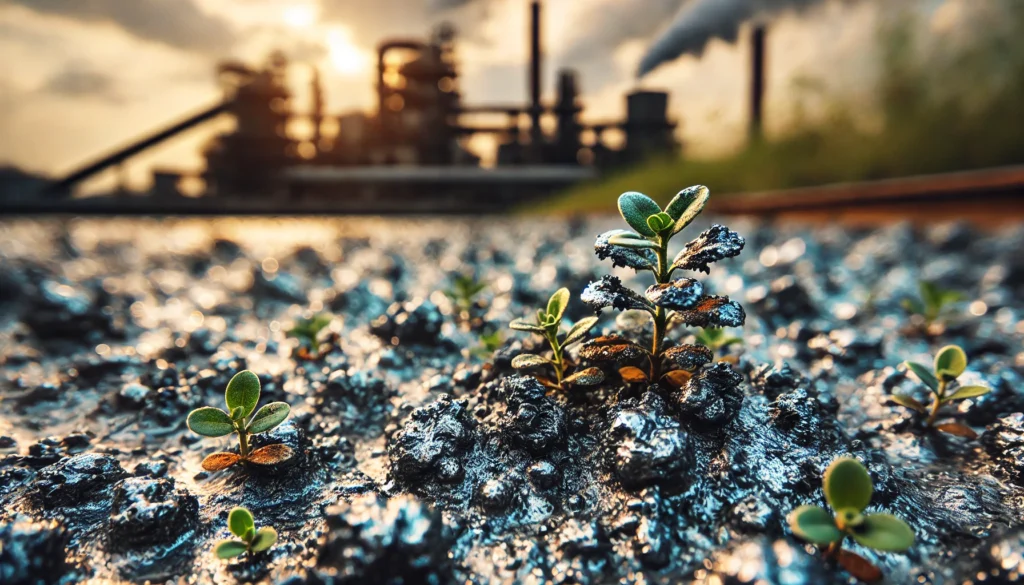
(756, 81)
(535, 55)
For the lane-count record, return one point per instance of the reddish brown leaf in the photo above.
(677, 378)
(632, 375)
(859, 567)
(713, 311)
(958, 430)
(220, 461)
(611, 348)
(270, 455)
(587, 377)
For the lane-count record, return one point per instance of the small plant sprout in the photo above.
(547, 325)
(848, 490)
(463, 292)
(716, 339)
(950, 363)
(241, 396)
(250, 540)
(490, 341)
(668, 302)
(307, 331)
(933, 305)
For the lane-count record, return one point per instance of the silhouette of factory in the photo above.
(408, 155)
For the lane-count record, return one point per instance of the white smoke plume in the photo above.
(699, 21)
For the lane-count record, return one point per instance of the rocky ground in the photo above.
(422, 459)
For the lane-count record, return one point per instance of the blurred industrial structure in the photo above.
(410, 152)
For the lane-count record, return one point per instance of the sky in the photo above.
(82, 77)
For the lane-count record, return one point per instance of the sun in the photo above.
(343, 54)
(300, 15)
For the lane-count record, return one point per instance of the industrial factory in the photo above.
(410, 153)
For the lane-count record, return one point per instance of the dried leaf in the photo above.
(609, 292)
(587, 377)
(712, 245)
(957, 429)
(270, 455)
(633, 375)
(220, 461)
(622, 247)
(679, 294)
(677, 378)
(529, 360)
(611, 348)
(689, 357)
(713, 311)
(859, 567)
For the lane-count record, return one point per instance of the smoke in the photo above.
(78, 79)
(699, 21)
(602, 28)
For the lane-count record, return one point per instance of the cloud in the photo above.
(176, 23)
(78, 80)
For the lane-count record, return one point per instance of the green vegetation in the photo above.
(463, 292)
(848, 490)
(547, 325)
(716, 339)
(949, 364)
(241, 524)
(667, 301)
(307, 331)
(935, 303)
(945, 103)
(241, 397)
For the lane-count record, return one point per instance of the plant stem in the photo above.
(660, 314)
(939, 395)
(833, 549)
(556, 352)
(243, 439)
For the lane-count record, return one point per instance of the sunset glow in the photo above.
(345, 57)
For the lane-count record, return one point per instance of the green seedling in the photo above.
(717, 339)
(848, 490)
(307, 331)
(548, 324)
(667, 301)
(250, 540)
(949, 364)
(241, 397)
(489, 343)
(464, 291)
(934, 304)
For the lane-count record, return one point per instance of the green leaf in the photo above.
(904, 400)
(930, 295)
(659, 222)
(635, 209)
(814, 524)
(847, 484)
(967, 392)
(950, 362)
(243, 390)
(228, 549)
(557, 304)
(913, 306)
(236, 413)
(210, 422)
(686, 205)
(631, 240)
(249, 535)
(268, 417)
(524, 325)
(884, 532)
(264, 539)
(240, 521)
(578, 331)
(528, 360)
(924, 374)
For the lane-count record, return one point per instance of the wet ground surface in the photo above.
(422, 459)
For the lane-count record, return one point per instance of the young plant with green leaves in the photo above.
(848, 490)
(548, 325)
(950, 362)
(250, 540)
(463, 292)
(241, 397)
(934, 304)
(307, 331)
(490, 341)
(668, 301)
(717, 339)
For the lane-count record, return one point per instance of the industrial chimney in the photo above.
(536, 109)
(756, 81)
